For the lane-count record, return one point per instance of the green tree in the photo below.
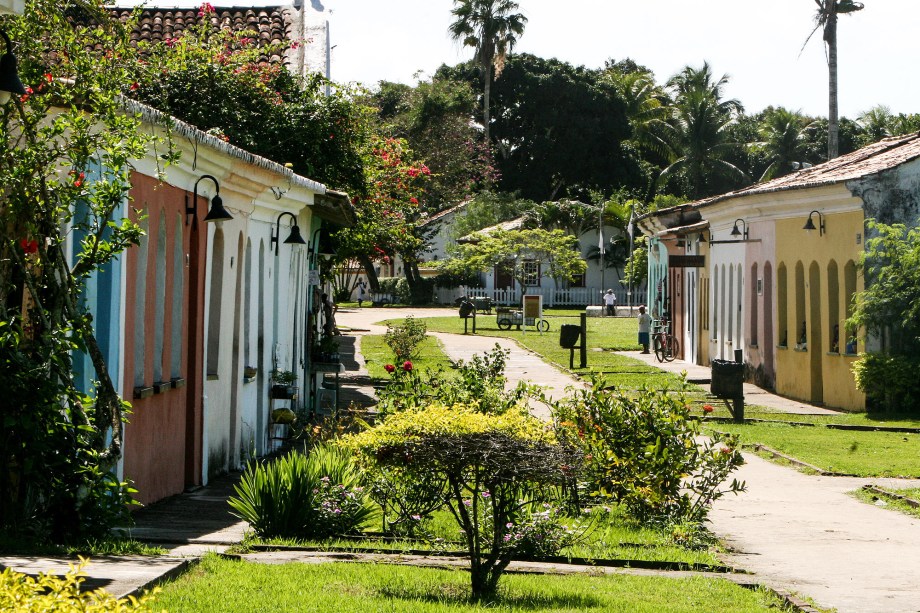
(697, 130)
(826, 21)
(784, 137)
(516, 252)
(488, 209)
(559, 131)
(889, 311)
(434, 118)
(494, 467)
(215, 79)
(492, 28)
(68, 145)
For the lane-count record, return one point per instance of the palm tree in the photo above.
(826, 20)
(491, 27)
(697, 130)
(784, 141)
(876, 124)
(647, 105)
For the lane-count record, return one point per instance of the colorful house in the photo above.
(771, 270)
(206, 310)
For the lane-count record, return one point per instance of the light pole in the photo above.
(602, 248)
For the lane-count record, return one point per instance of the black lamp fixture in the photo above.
(810, 225)
(216, 212)
(701, 237)
(742, 232)
(9, 73)
(320, 245)
(293, 239)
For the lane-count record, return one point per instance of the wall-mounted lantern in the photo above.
(216, 211)
(810, 225)
(9, 73)
(742, 231)
(293, 239)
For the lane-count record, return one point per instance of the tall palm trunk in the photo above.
(830, 37)
(486, 104)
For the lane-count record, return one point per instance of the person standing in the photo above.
(645, 326)
(610, 300)
(362, 288)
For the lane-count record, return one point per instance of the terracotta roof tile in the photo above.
(271, 24)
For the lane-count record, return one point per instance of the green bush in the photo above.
(303, 496)
(404, 339)
(643, 451)
(25, 594)
(891, 382)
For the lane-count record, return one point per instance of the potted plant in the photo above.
(326, 350)
(283, 384)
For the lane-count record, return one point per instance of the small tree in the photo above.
(68, 145)
(642, 451)
(888, 309)
(516, 252)
(494, 466)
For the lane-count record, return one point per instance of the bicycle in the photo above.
(666, 346)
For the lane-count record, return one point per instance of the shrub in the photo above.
(24, 594)
(303, 496)
(890, 382)
(538, 535)
(487, 462)
(643, 451)
(404, 339)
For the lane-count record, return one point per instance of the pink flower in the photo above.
(206, 9)
(389, 368)
(407, 366)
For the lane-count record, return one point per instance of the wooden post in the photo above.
(584, 340)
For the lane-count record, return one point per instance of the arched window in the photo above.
(833, 308)
(849, 291)
(247, 305)
(214, 298)
(800, 326)
(178, 300)
(782, 306)
(159, 297)
(755, 306)
(140, 307)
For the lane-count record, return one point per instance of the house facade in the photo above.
(740, 271)
(195, 318)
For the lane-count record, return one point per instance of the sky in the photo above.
(757, 43)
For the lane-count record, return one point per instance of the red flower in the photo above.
(206, 9)
(28, 246)
(134, 86)
(413, 200)
(707, 408)
(425, 170)
(407, 366)
(77, 183)
(389, 368)
(49, 77)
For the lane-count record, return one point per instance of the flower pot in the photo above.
(283, 392)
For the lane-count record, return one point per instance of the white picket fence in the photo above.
(573, 296)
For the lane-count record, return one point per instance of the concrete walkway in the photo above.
(795, 532)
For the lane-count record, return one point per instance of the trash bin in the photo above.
(727, 379)
(466, 309)
(569, 335)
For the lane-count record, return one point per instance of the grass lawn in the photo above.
(891, 503)
(609, 536)
(377, 354)
(605, 335)
(866, 454)
(851, 419)
(233, 586)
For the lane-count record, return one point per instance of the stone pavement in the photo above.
(795, 532)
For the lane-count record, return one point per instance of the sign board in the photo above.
(686, 261)
(533, 307)
(314, 277)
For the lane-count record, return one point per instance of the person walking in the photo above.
(610, 300)
(645, 326)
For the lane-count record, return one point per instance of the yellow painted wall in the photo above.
(798, 372)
